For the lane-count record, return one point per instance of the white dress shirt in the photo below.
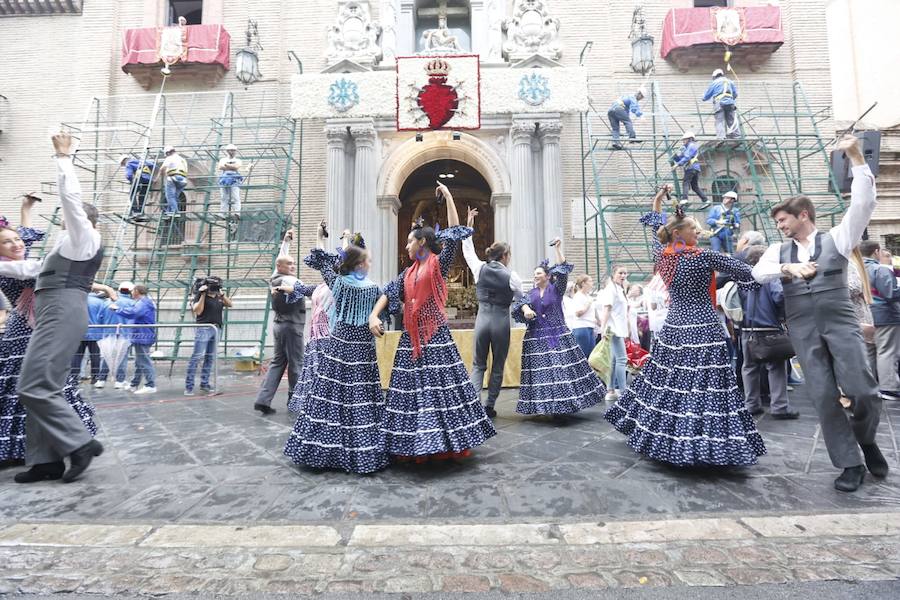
(846, 235)
(475, 264)
(78, 241)
(583, 302)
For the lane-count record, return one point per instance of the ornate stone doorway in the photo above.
(417, 199)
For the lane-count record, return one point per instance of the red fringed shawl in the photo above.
(423, 281)
(668, 264)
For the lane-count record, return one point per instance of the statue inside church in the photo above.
(441, 39)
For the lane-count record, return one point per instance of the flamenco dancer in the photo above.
(496, 286)
(431, 407)
(684, 408)
(14, 247)
(556, 378)
(339, 425)
(322, 301)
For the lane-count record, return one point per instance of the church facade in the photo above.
(487, 96)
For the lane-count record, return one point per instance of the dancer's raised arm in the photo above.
(452, 215)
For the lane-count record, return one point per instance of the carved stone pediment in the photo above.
(536, 61)
(531, 30)
(354, 35)
(346, 66)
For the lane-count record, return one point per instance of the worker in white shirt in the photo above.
(496, 287)
(174, 172)
(64, 278)
(230, 180)
(823, 326)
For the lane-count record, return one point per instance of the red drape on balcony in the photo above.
(205, 44)
(686, 27)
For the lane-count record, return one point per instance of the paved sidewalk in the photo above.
(440, 559)
(212, 459)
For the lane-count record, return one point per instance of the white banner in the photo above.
(502, 91)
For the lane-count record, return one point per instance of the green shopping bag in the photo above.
(601, 359)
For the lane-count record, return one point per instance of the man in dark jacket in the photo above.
(886, 318)
(763, 309)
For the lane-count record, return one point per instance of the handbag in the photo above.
(768, 346)
(600, 359)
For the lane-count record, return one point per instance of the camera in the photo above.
(213, 285)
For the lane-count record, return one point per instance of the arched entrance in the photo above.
(417, 199)
(438, 147)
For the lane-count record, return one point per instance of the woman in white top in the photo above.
(584, 315)
(568, 304)
(614, 315)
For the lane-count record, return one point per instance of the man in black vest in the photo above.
(496, 286)
(288, 295)
(53, 430)
(822, 323)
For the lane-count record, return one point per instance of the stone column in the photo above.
(524, 234)
(552, 181)
(363, 178)
(388, 213)
(336, 140)
(406, 29)
(502, 229)
(479, 31)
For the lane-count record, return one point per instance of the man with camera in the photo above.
(208, 304)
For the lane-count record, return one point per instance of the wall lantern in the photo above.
(641, 44)
(246, 62)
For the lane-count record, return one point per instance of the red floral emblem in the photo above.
(438, 100)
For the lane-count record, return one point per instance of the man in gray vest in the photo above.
(822, 323)
(496, 286)
(288, 304)
(53, 430)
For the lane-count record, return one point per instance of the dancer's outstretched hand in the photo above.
(62, 143)
(470, 216)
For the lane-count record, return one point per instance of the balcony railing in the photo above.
(697, 36)
(37, 8)
(206, 52)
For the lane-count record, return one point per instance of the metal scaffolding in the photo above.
(169, 253)
(780, 153)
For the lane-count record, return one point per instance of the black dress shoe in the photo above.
(875, 461)
(266, 410)
(489, 411)
(786, 416)
(81, 459)
(850, 479)
(42, 472)
(756, 411)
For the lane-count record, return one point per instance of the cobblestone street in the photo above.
(193, 494)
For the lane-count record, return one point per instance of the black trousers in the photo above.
(691, 180)
(139, 190)
(94, 349)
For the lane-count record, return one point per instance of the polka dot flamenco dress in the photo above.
(339, 425)
(684, 408)
(12, 350)
(556, 378)
(431, 406)
(318, 335)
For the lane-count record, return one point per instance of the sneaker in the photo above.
(206, 389)
(612, 396)
(189, 393)
(129, 388)
(100, 385)
(617, 146)
(146, 390)
(120, 385)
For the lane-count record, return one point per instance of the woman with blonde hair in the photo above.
(684, 408)
(584, 313)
